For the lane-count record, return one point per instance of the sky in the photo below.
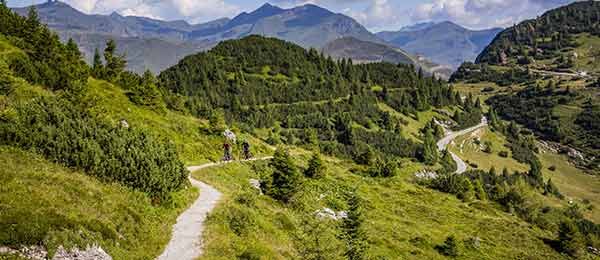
(376, 15)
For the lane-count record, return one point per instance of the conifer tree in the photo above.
(115, 64)
(480, 192)
(447, 162)
(353, 231)
(286, 178)
(570, 239)
(97, 66)
(316, 168)
(430, 152)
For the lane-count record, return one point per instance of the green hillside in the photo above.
(96, 154)
(86, 161)
(402, 220)
(551, 37)
(540, 83)
(304, 98)
(549, 66)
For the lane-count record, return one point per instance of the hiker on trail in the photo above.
(246, 149)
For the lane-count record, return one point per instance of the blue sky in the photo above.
(376, 15)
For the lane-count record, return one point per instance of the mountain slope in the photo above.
(156, 45)
(443, 43)
(552, 60)
(559, 33)
(367, 52)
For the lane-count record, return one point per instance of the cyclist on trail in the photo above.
(227, 152)
(246, 149)
(230, 139)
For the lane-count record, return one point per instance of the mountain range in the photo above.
(155, 45)
(443, 43)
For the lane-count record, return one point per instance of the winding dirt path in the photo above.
(186, 241)
(461, 166)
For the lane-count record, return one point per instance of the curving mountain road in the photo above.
(186, 241)
(450, 136)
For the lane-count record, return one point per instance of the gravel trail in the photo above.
(186, 241)
(450, 136)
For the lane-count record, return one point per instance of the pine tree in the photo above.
(285, 179)
(216, 122)
(316, 168)
(448, 163)
(480, 191)
(467, 192)
(570, 239)
(353, 231)
(97, 66)
(317, 240)
(115, 64)
(450, 247)
(147, 94)
(430, 151)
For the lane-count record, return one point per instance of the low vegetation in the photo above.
(46, 204)
(398, 219)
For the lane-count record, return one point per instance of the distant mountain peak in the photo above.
(267, 8)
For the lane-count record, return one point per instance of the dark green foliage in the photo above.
(533, 107)
(97, 66)
(570, 239)
(551, 189)
(383, 168)
(436, 129)
(469, 72)
(66, 134)
(48, 62)
(285, 178)
(457, 184)
(352, 228)
(429, 154)
(545, 36)
(5, 78)
(471, 114)
(146, 93)
(450, 247)
(316, 168)
(115, 64)
(480, 192)
(589, 138)
(264, 82)
(317, 240)
(448, 164)
(216, 122)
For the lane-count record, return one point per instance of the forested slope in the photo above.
(550, 65)
(264, 82)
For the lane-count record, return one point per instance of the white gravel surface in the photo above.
(450, 136)
(186, 241)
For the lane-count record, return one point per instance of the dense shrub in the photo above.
(64, 133)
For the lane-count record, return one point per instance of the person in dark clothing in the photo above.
(227, 152)
(246, 149)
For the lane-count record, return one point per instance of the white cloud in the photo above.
(483, 13)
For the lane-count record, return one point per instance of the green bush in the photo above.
(450, 247)
(316, 168)
(64, 133)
